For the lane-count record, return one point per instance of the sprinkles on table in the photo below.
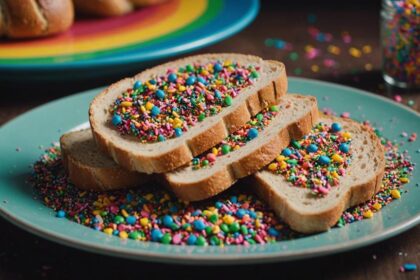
(237, 139)
(168, 105)
(317, 161)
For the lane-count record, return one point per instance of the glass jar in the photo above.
(400, 36)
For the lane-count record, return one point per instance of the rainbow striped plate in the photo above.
(94, 47)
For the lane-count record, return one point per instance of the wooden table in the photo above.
(23, 255)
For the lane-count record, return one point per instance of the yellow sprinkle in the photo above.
(144, 221)
(355, 52)
(377, 206)
(215, 151)
(347, 135)
(257, 223)
(337, 158)
(181, 88)
(204, 72)
(259, 214)
(207, 213)
(149, 106)
(227, 63)
(334, 49)
(123, 235)
(215, 230)
(395, 194)
(280, 158)
(124, 213)
(236, 147)
(228, 219)
(368, 67)
(123, 110)
(367, 49)
(315, 68)
(151, 87)
(148, 196)
(272, 166)
(368, 214)
(404, 180)
(126, 104)
(241, 197)
(108, 231)
(283, 165)
(143, 109)
(175, 114)
(171, 90)
(335, 174)
(96, 212)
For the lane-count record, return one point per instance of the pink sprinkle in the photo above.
(176, 239)
(259, 239)
(345, 115)
(328, 62)
(211, 157)
(323, 190)
(398, 98)
(312, 53)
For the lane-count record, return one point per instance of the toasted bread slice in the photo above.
(90, 169)
(165, 156)
(297, 114)
(307, 213)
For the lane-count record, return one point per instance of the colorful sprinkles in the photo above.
(317, 161)
(167, 106)
(235, 217)
(237, 139)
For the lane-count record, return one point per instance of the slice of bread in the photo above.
(165, 156)
(90, 169)
(297, 114)
(307, 213)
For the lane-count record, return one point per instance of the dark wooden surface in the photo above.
(23, 256)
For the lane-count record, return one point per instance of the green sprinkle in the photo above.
(214, 218)
(201, 117)
(298, 71)
(166, 239)
(296, 144)
(224, 228)
(134, 235)
(234, 227)
(190, 68)
(119, 219)
(201, 241)
(254, 74)
(208, 230)
(225, 149)
(260, 117)
(205, 162)
(294, 56)
(244, 230)
(214, 240)
(228, 100)
(274, 108)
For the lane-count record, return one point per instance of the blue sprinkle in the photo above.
(115, 232)
(336, 127)
(199, 225)
(191, 239)
(161, 138)
(129, 197)
(240, 213)
(409, 267)
(252, 214)
(217, 94)
(234, 199)
(252, 133)
(61, 214)
(202, 80)
(218, 204)
(173, 209)
(155, 111)
(156, 234)
(196, 213)
(152, 82)
(116, 120)
(312, 148)
(344, 147)
(137, 85)
(168, 220)
(273, 232)
(178, 131)
(172, 77)
(286, 152)
(218, 67)
(324, 160)
(190, 81)
(131, 220)
(160, 94)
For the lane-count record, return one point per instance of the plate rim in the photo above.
(196, 259)
(189, 46)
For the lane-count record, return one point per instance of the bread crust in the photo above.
(322, 221)
(103, 8)
(36, 18)
(251, 163)
(201, 142)
(95, 178)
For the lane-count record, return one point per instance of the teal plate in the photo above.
(19, 148)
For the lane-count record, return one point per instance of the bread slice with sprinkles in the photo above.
(338, 165)
(163, 117)
(90, 169)
(246, 151)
